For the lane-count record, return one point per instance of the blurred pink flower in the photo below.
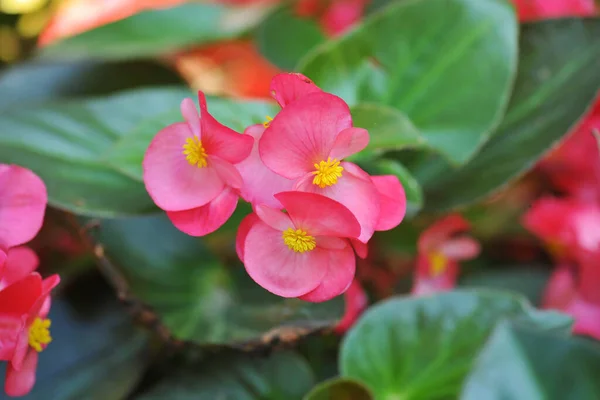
(531, 10)
(189, 171)
(302, 253)
(335, 17)
(24, 329)
(356, 302)
(440, 247)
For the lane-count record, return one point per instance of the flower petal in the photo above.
(440, 231)
(340, 274)
(461, 248)
(219, 140)
(587, 318)
(349, 141)
(240, 240)
(21, 261)
(342, 15)
(274, 218)
(23, 200)
(227, 172)
(42, 303)
(191, 116)
(277, 268)
(208, 218)
(11, 328)
(303, 134)
(172, 182)
(18, 298)
(260, 183)
(289, 87)
(361, 249)
(331, 243)
(356, 302)
(319, 215)
(357, 193)
(19, 383)
(392, 202)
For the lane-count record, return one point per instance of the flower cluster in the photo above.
(24, 295)
(312, 209)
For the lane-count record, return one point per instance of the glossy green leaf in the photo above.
(98, 355)
(446, 64)
(281, 376)
(127, 153)
(199, 299)
(518, 363)
(339, 389)
(412, 188)
(64, 143)
(416, 348)
(148, 33)
(558, 79)
(284, 38)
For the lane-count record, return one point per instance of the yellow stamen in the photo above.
(298, 240)
(39, 334)
(327, 172)
(267, 122)
(438, 262)
(194, 152)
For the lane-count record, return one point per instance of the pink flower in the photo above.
(439, 250)
(307, 142)
(24, 329)
(531, 10)
(260, 183)
(356, 302)
(302, 253)
(336, 17)
(189, 171)
(20, 262)
(23, 200)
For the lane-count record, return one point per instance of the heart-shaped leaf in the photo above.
(415, 348)
(558, 79)
(240, 377)
(447, 64)
(148, 33)
(198, 298)
(519, 363)
(339, 389)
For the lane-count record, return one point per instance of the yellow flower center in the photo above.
(298, 240)
(327, 172)
(438, 262)
(39, 334)
(194, 152)
(267, 122)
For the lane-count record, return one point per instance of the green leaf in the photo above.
(518, 363)
(557, 80)
(281, 376)
(283, 38)
(98, 355)
(148, 33)
(448, 65)
(64, 144)
(127, 153)
(414, 193)
(339, 389)
(199, 299)
(415, 348)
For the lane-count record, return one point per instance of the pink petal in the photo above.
(439, 232)
(240, 240)
(190, 114)
(356, 302)
(21, 349)
(172, 182)
(331, 243)
(289, 87)
(349, 141)
(319, 215)
(21, 261)
(461, 248)
(3, 257)
(208, 218)
(277, 268)
(260, 183)
(20, 383)
(357, 194)
(42, 303)
(361, 249)
(587, 318)
(18, 298)
(425, 283)
(342, 266)
(560, 289)
(392, 201)
(219, 140)
(342, 15)
(11, 328)
(23, 200)
(274, 218)
(303, 134)
(227, 172)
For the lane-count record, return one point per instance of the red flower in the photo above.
(531, 10)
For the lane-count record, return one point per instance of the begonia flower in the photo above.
(20, 262)
(24, 329)
(23, 200)
(532, 10)
(260, 183)
(304, 252)
(440, 248)
(356, 301)
(307, 142)
(189, 170)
